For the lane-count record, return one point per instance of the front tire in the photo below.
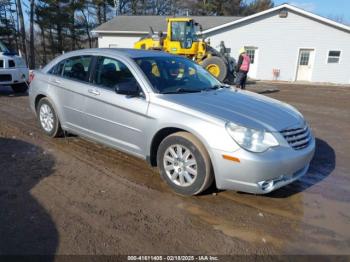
(19, 88)
(185, 164)
(48, 119)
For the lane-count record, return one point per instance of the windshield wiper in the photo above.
(181, 90)
(215, 87)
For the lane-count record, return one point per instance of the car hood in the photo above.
(241, 107)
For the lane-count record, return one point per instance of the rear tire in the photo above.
(48, 119)
(185, 164)
(219, 63)
(19, 88)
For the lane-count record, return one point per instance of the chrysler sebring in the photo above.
(171, 112)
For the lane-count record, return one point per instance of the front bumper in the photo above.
(261, 173)
(13, 76)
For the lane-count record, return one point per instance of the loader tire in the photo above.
(216, 66)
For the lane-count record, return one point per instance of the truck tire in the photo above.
(216, 66)
(185, 164)
(19, 88)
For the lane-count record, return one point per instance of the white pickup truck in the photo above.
(13, 70)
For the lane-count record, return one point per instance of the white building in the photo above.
(285, 42)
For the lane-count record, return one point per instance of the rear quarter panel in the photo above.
(40, 86)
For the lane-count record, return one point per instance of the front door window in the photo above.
(110, 72)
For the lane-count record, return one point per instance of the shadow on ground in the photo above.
(268, 91)
(321, 166)
(7, 91)
(25, 226)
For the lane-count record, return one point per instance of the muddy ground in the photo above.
(72, 196)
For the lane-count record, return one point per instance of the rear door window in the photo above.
(57, 69)
(77, 68)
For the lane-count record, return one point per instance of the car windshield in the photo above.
(176, 75)
(3, 48)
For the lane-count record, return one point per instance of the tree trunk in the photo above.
(73, 34)
(43, 44)
(59, 39)
(22, 29)
(99, 15)
(52, 43)
(13, 22)
(104, 12)
(134, 7)
(31, 45)
(87, 29)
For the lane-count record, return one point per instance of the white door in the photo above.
(252, 52)
(305, 64)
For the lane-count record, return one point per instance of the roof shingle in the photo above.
(158, 23)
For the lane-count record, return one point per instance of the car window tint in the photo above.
(11, 63)
(152, 70)
(77, 68)
(110, 72)
(52, 70)
(57, 69)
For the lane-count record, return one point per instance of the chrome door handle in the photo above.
(94, 92)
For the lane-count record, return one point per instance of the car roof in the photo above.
(127, 52)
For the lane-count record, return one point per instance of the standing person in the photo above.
(242, 68)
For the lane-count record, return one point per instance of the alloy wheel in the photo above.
(46, 118)
(180, 165)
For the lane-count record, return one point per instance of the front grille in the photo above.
(297, 138)
(5, 78)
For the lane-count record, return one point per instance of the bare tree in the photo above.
(31, 38)
(22, 29)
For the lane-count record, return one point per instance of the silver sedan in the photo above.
(171, 112)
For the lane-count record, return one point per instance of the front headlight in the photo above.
(251, 139)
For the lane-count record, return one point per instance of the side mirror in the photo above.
(128, 88)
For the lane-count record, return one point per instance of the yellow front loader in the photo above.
(182, 38)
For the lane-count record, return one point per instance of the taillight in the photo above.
(31, 76)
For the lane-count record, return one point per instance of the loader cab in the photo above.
(182, 31)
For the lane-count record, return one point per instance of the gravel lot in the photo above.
(72, 196)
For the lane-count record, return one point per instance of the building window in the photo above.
(333, 57)
(304, 58)
(251, 54)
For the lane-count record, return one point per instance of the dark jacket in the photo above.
(239, 63)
